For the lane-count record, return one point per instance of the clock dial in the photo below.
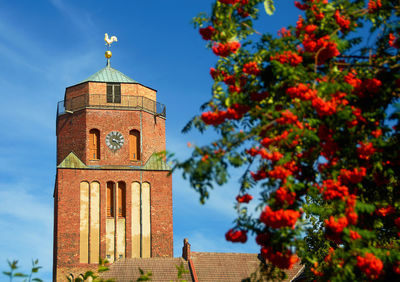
(115, 140)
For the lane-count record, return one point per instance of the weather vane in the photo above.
(108, 41)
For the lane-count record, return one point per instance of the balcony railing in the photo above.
(99, 101)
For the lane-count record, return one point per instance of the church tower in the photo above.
(113, 192)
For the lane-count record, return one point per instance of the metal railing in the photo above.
(99, 101)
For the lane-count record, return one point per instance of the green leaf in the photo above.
(269, 7)
(37, 279)
(36, 269)
(13, 265)
(228, 102)
(7, 273)
(20, 274)
(102, 268)
(88, 274)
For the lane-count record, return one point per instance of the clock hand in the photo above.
(119, 142)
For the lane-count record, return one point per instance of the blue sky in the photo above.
(46, 46)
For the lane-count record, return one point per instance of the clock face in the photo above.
(115, 140)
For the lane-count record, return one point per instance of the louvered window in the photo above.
(113, 93)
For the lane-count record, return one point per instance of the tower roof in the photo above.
(109, 74)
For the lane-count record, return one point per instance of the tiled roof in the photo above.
(232, 266)
(162, 269)
(224, 266)
(209, 267)
(109, 74)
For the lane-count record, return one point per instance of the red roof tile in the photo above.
(209, 267)
(162, 269)
(230, 266)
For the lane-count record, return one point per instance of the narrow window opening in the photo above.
(121, 199)
(134, 145)
(94, 144)
(110, 199)
(113, 93)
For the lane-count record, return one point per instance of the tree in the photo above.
(312, 117)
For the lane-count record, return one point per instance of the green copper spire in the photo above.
(109, 74)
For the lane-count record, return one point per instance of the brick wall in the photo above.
(73, 130)
(152, 133)
(76, 90)
(72, 136)
(134, 89)
(97, 88)
(138, 90)
(68, 213)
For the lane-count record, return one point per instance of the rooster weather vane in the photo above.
(108, 41)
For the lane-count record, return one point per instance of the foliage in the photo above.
(91, 276)
(13, 265)
(310, 116)
(144, 276)
(266, 272)
(88, 276)
(181, 270)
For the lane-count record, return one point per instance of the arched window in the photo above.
(134, 145)
(94, 144)
(110, 199)
(121, 199)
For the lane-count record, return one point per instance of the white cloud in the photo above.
(20, 39)
(26, 221)
(19, 201)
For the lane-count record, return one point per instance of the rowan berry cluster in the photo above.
(310, 121)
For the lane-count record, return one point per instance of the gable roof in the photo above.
(109, 74)
(206, 267)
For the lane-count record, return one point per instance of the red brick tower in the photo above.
(113, 194)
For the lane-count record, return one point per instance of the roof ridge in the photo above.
(222, 253)
(153, 258)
